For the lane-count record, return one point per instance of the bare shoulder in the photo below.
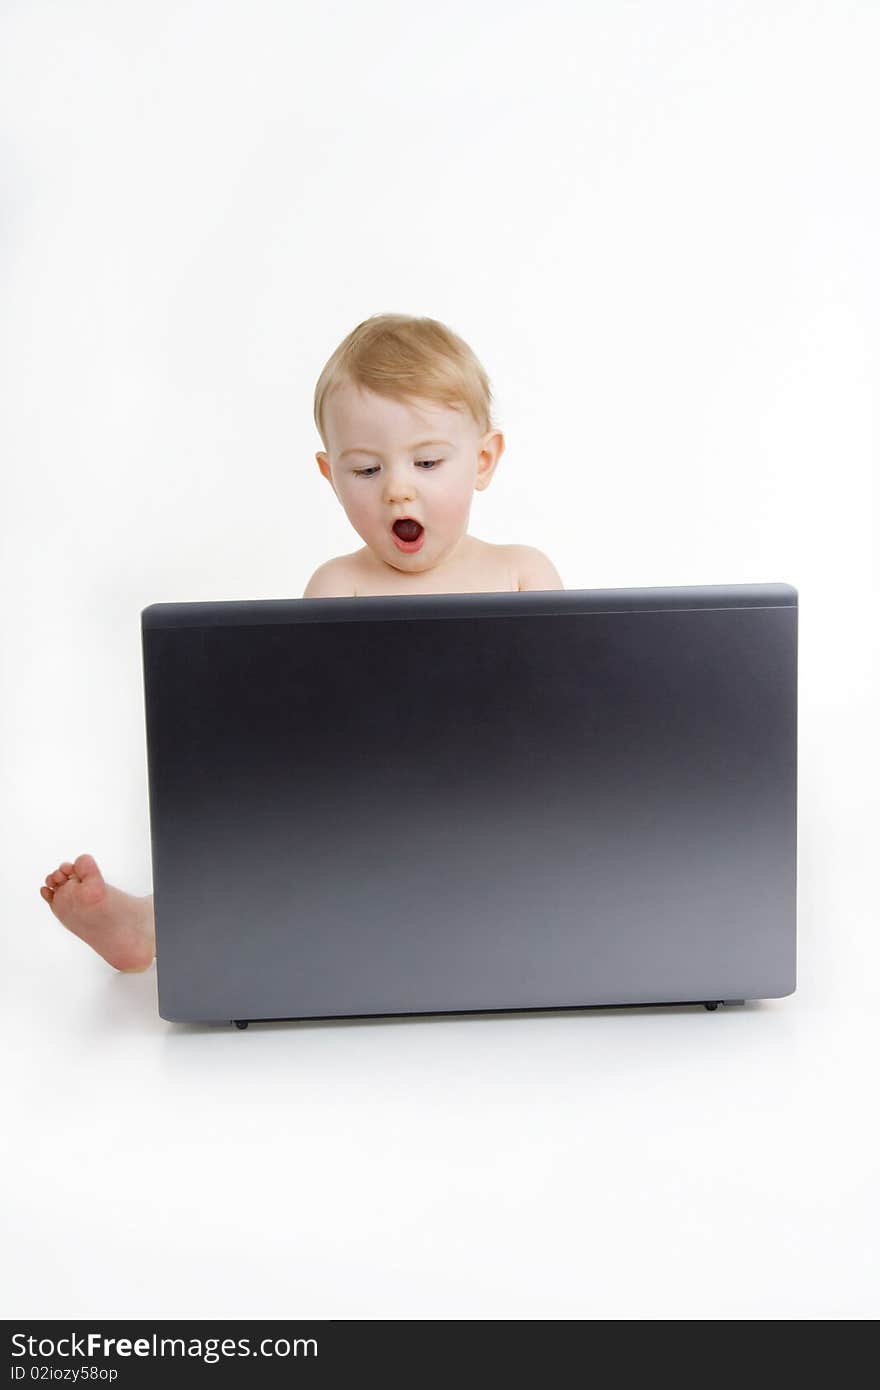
(533, 569)
(333, 579)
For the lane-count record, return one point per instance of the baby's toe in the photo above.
(85, 867)
(46, 894)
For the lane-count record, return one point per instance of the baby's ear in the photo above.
(324, 465)
(491, 449)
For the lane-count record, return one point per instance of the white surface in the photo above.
(656, 226)
(656, 1163)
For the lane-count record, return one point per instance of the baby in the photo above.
(403, 408)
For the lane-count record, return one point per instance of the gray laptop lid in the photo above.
(458, 802)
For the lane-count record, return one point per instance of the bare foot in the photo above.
(118, 926)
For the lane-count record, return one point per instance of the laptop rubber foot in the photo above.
(243, 1023)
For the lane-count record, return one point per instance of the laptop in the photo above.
(456, 803)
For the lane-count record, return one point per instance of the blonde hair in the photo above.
(406, 358)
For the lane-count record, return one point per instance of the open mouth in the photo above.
(408, 533)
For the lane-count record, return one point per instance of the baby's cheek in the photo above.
(358, 511)
(450, 510)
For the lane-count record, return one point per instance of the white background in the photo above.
(657, 227)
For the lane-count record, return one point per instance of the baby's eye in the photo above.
(420, 463)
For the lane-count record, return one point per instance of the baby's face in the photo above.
(387, 460)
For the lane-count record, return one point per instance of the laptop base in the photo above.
(711, 1005)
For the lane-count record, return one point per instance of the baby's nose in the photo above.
(399, 489)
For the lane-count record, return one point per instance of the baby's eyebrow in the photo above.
(376, 453)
